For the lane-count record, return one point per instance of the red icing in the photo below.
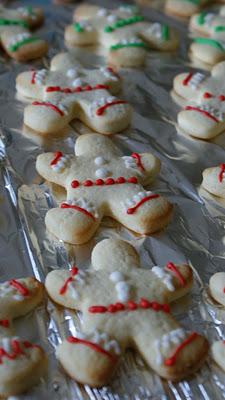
(137, 158)
(176, 272)
(171, 360)
(206, 113)
(129, 306)
(57, 156)
(101, 109)
(132, 210)
(4, 323)
(187, 79)
(73, 272)
(93, 346)
(75, 90)
(18, 286)
(110, 69)
(77, 208)
(222, 170)
(223, 290)
(50, 105)
(16, 350)
(207, 95)
(221, 97)
(33, 77)
(107, 181)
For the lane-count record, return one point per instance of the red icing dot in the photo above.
(99, 182)
(170, 361)
(121, 179)
(132, 179)
(144, 303)
(119, 306)
(78, 89)
(74, 184)
(67, 90)
(109, 181)
(88, 182)
(166, 308)
(155, 306)
(221, 97)
(207, 95)
(131, 305)
(97, 309)
(112, 308)
(88, 87)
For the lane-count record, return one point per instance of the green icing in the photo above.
(77, 27)
(196, 2)
(123, 22)
(29, 10)
(201, 18)
(210, 42)
(134, 44)
(5, 22)
(16, 46)
(165, 32)
(219, 28)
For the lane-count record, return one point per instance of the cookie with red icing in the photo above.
(100, 182)
(214, 180)
(123, 32)
(22, 364)
(16, 39)
(217, 287)
(70, 91)
(125, 306)
(203, 114)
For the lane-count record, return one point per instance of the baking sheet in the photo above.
(195, 235)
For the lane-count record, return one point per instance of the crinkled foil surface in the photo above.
(196, 233)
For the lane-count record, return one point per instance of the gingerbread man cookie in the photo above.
(69, 91)
(214, 180)
(125, 306)
(203, 115)
(123, 32)
(218, 353)
(15, 37)
(99, 182)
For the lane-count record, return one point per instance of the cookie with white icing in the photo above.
(123, 32)
(15, 37)
(19, 296)
(22, 364)
(125, 306)
(69, 91)
(218, 353)
(204, 113)
(99, 182)
(214, 180)
(217, 287)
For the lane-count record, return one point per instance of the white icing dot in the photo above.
(77, 82)
(116, 276)
(101, 173)
(100, 160)
(72, 73)
(102, 12)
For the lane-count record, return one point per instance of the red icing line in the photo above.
(16, 351)
(73, 272)
(129, 306)
(132, 210)
(33, 77)
(93, 346)
(171, 360)
(187, 79)
(77, 208)
(21, 289)
(137, 157)
(206, 113)
(57, 156)
(101, 109)
(75, 90)
(50, 105)
(222, 170)
(177, 273)
(207, 95)
(4, 323)
(100, 182)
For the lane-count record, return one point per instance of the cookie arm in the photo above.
(46, 166)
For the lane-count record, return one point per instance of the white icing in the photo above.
(19, 38)
(99, 103)
(211, 110)
(128, 9)
(87, 205)
(130, 163)
(102, 12)
(121, 286)
(112, 18)
(62, 163)
(164, 276)
(24, 11)
(129, 203)
(8, 290)
(108, 73)
(130, 41)
(163, 344)
(78, 280)
(155, 30)
(61, 106)
(195, 80)
(72, 73)
(85, 25)
(103, 340)
(40, 76)
(102, 173)
(208, 18)
(6, 343)
(100, 160)
(77, 82)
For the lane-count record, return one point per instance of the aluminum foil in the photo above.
(195, 235)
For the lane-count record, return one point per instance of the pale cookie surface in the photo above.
(125, 306)
(203, 115)
(22, 364)
(214, 180)
(69, 91)
(99, 182)
(123, 32)
(217, 287)
(184, 8)
(15, 37)
(19, 296)
(218, 353)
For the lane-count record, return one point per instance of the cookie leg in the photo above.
(72, 225)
